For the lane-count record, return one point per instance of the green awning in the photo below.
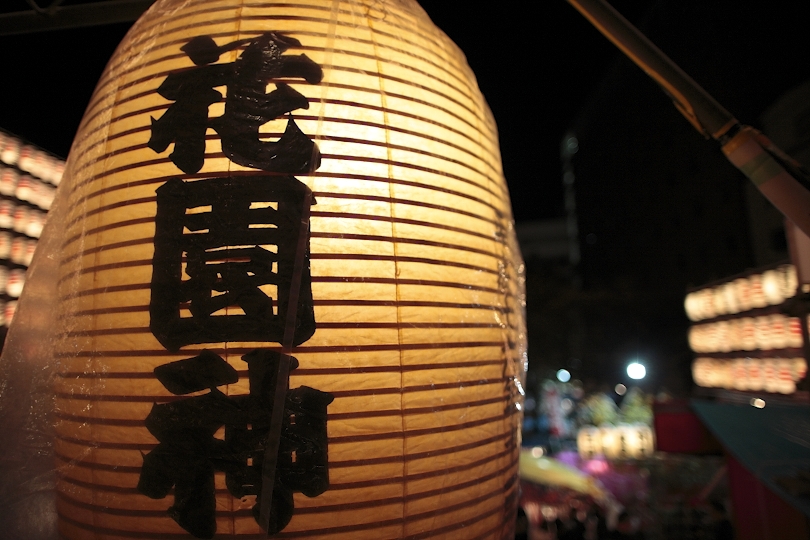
(772, 442)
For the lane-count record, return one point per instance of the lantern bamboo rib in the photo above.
(338, 464)
(340, 303)
(369, 178)
(432, 514)
(121, 469)
(333, 441)
(463, 163)
(314, 213)
(116, 69)
(300, 349)
(120, 101)
(211, 155)
(340, 236)
(460, 384)
(435, 93)
(304, 510)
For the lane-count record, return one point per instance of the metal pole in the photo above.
(752, 153)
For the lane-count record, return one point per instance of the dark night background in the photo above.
(658, 208)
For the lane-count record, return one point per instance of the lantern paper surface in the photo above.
(353, 240)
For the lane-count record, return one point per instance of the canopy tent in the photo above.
(772, 442)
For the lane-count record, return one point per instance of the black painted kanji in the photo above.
(247, 105)
(217, 242)
(189, 453)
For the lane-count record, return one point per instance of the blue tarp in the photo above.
(772, 443)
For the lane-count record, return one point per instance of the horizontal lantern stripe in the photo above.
(365, 504)
(319, 325)
(300, 348)
(388, 94)
(162, 180)
(366, 392)
(435, 39)
(358, 303)
(467, 468)
(388, 110)
(330, 417)
(326, 119)
(336, 157)
(464, 524)
(316, 194)
(314, 234)
(312, 256)
(406, 519)
(159, 180)
(488, 187)
(302, 534)
(314, 279)
(314, 213)
(445, 489)
(340, 464)
(233, 35)
(447, 428)
(346, 439)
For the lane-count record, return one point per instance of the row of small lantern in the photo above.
(776, 375)
(25, 187)
(769, 288)
(17, 249)
(768, 332)
(28, 180)
(21, 218)
(30, 159)
(631, 441)
(12, 281)
(7, 310)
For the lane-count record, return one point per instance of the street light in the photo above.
(563, 375)
(636, 371)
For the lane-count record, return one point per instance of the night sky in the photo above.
(548, 58)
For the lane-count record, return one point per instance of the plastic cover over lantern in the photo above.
(283, 235)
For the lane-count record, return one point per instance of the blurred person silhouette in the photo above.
(521, 525)
(722, 525)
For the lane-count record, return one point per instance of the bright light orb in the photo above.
(563, 375)
(636, 371)
(620, 389)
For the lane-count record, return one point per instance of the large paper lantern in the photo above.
(289, 293)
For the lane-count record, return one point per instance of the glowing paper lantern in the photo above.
(395, 288)
(756, 380)
(625, 441)
(799, 369)
(756, 293)
(762, 332)
(589, 442)
(637, 441)
(748, 334)
(743, 293)
(729, 292)
(771, 375)
(772, 287)
(702, 372)
(691, 305)
(610, 441)
(794, 332)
